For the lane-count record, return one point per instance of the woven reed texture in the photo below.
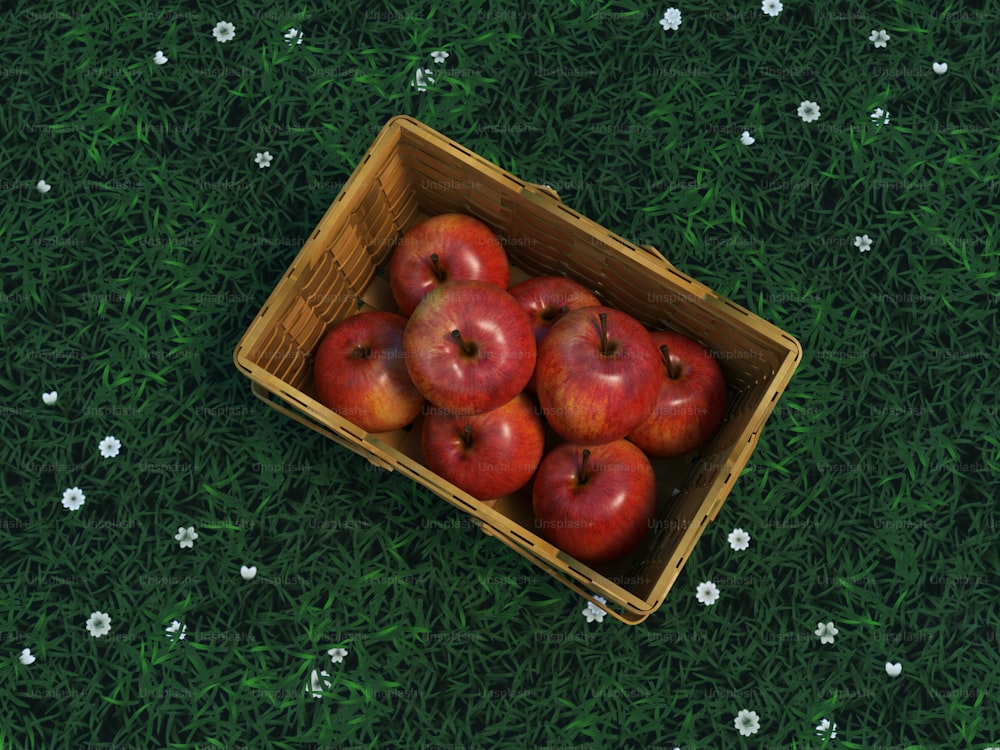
(411, 172)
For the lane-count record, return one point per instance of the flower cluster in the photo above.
(74, 499)
(224, 32)
(319, 680)
(748, 722)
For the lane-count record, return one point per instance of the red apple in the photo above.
(692, 398)
(597, 375)
(469, 347)
(595, 502)
(548, 298)
(446, 247)
(488, 455)
(360, 372)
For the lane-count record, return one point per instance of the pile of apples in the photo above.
(488, 365)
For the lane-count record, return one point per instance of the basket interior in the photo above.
(411, 173)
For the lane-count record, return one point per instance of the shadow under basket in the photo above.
(411, 172)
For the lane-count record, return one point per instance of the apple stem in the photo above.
(665, 353)
(604, 333)
(438, 271)
(466, 346)
(467, 434)
(584, 473)
(362, 352)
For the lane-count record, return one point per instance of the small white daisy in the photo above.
(248, 573)
(176, 629)
(159, 58)
(186, 536)
(73, 498)
(863, 243)
(422, 78)
(746, 139)
(671, 20)
(440, 56)
(263, 159)
(293, 36)
(224, 31)
(739, 540)
(825, 726)
(880, 116)
(43, 187)
(772, 7)
(808, 111)
(26, 658)
(826, 632)
(318, 683)
(893, 670)
(50, 398)
(109, 447)
(593, 613)
(337, 655)
(879, 38)
(99, 624)
(748, 722)
(707, 593)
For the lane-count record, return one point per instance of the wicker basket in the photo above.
(411, 172)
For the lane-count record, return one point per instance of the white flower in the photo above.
(746, 139)
(593, 612)
(224, 31)
(808, 111)
(671, 20)
(739, 540)
(50, 398)
(73, 498)
(440, 56)
(707, 593)
(263, 159)
(940, 68)
(337, 655)
(248, 573)
(99, 624)
(826, 632)
(109, 447)
(43, 187)
(825, 726)
(174, 628)
(863, 243)
(748, 722)
(159, 58)
(318, 683)
(772, 7)
(880, 116)
(893, 670)
(186, 536)
(879, 38)
(26, 658)
(422, 78)
(294, 36)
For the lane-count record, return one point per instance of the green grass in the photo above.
(871, 498)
